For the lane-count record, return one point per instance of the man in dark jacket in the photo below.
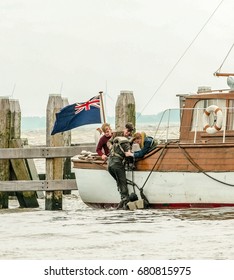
(121, 146)
(127, 132)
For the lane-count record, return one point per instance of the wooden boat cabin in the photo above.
(204, 138)
(205, 117)
(211, 118)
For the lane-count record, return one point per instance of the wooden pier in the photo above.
(17, 168)
(18, 173)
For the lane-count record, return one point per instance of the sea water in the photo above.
(81, 233)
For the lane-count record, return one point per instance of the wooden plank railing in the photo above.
(45, 152)
(38, 185)
(42, 152)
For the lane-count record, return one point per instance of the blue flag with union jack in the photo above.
(78, 114)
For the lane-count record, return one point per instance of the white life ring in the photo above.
(219, 121)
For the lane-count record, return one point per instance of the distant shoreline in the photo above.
(39, 123)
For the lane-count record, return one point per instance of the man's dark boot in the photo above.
(123, 204)
(120, 205)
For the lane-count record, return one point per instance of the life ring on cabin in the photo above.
(219, 121)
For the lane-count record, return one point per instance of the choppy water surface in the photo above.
(79, 232)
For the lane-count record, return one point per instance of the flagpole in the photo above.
(102, 105)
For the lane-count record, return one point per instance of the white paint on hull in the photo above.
(97, 186)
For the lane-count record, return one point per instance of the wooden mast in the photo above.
(223, 74)
(102, 106)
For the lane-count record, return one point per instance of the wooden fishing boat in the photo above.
(195, 169)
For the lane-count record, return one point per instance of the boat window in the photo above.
(230, 115)
(197, 121)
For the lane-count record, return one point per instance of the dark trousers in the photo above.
(117, 170)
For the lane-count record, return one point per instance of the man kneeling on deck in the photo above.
(146, 143)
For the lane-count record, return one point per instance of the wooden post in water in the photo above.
(54, 167)
(125, 110)
(4, 143)
(19, 166)
(15, 119)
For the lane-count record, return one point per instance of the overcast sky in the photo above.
(79, 47)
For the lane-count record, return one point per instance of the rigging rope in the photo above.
(218, 70)
(200, 169)
(162, 154)
(183, 54)
(152, 169)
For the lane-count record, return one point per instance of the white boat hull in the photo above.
(163, 189)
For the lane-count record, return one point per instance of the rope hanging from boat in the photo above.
(200, 169)
(140, 190)
(180, 58)
(152, 169)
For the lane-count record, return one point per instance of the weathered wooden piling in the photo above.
(20, 167)
(15, 111)
(54, 166)
(125, 110)
(5, 120)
